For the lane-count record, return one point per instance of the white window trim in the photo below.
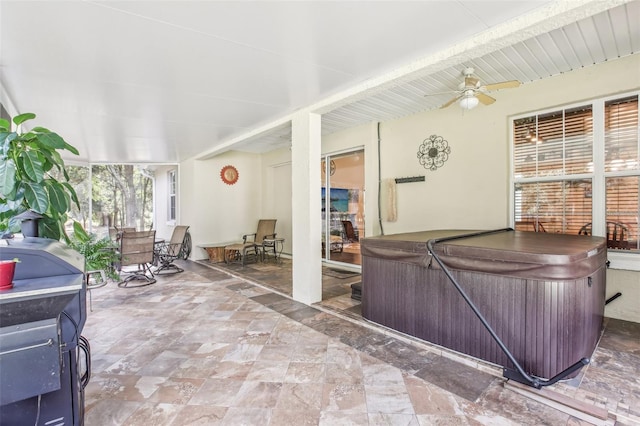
(618, 259)
(621, 260)
(172, 192)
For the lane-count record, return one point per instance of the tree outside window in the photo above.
(120, 195)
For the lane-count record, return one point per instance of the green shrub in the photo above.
(99, 254)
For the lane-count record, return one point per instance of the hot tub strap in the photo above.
(518, 374)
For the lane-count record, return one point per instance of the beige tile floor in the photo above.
(204, 347)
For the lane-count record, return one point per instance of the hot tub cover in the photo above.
(530, 255)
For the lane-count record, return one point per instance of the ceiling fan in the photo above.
(471, 92)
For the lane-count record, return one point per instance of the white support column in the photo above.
(306, 214)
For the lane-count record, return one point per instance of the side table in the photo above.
(272, 245)
(216, 251)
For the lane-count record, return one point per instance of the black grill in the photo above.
(41, 348)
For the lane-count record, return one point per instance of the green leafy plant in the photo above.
(99, 254)
(26, 160)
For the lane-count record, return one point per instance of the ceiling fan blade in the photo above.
(450, 102)
(504, 85)
(485, 99)
(471, 82)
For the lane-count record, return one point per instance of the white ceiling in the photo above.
(162, 81)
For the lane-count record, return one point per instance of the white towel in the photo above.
(389, 193)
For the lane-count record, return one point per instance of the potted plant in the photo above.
(99, 254)
(7, 269)
(27, 160)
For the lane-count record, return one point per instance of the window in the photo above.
(576, 171)
(121, 196)
(171, 190)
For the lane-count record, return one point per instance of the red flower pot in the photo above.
(7, 269)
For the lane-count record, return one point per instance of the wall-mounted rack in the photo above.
(410, 179)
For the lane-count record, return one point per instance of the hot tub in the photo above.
(543, 294)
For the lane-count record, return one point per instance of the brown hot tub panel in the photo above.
(542, 294)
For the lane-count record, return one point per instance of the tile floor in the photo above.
(205, 347)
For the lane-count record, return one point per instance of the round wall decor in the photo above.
(332, 167)
(229, 175)
(433, 152)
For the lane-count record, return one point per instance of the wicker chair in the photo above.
(177, 248)
(350, 234)
(617, 235)
(251, 244)
(115, 233)
(136, 248)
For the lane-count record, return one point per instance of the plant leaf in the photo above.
(51, 140)
(32, 165)
(14, 224)
(5, 141)
(79, 232)
(63, 233)
(7, 177)
(19, 119)
(39, 129)
(55, 158)
(49, 160)
(72, 192)
(5, 134)
(36, 197)
(28, 137)
(14, 198)
(71, 149)
(49, 228)
(5, 126)
(58, 198)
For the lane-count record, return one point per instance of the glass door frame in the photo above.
(327, 160)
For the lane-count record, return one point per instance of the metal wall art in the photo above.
(433, 152)
(229, 175)
(332, 167)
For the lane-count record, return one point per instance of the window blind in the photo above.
(550, 148)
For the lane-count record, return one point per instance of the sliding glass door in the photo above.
(342, 206)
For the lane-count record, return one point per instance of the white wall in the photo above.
(276, 190)
(627, 307)
(468, 191)
(215, 211)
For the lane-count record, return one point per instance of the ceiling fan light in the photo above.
(469, 102)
